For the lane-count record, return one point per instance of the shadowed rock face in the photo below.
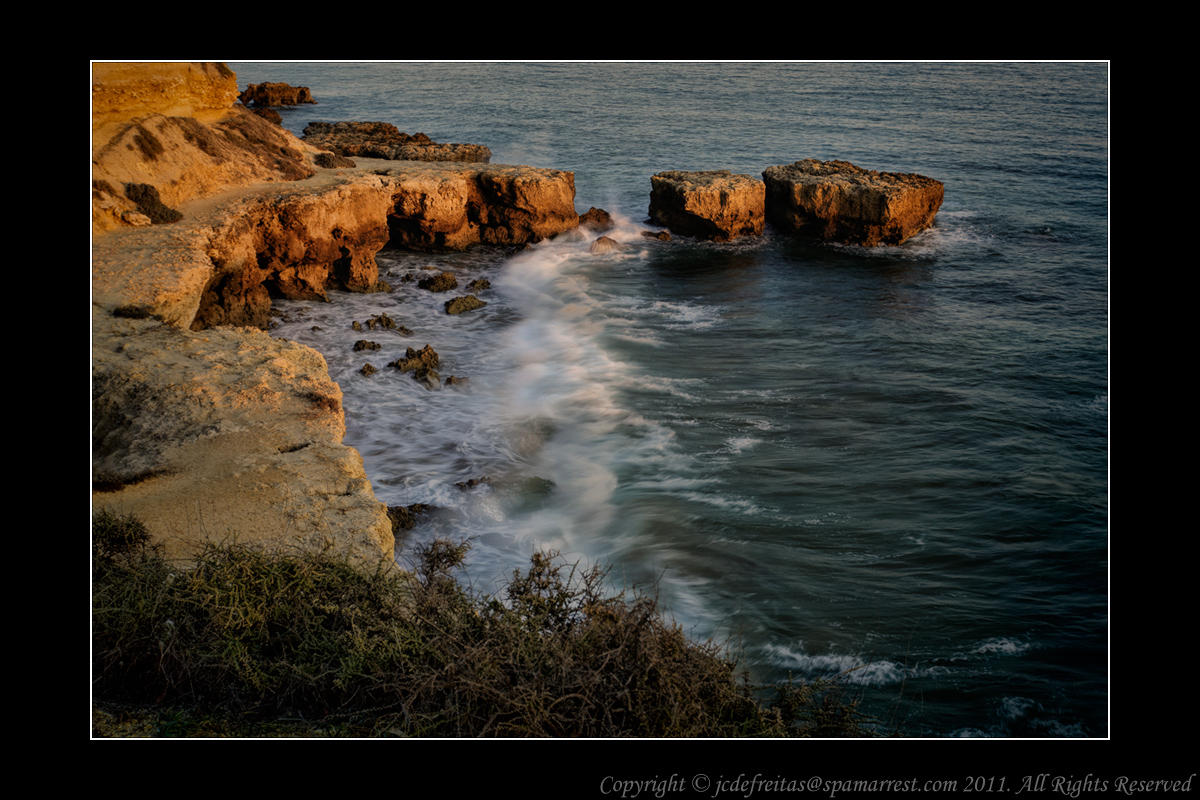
(275, 94)
(713, 205)
(837, 201)
(453, 206)
(294, 246)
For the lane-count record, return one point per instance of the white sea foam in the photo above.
(1002, 646)
(849, 668)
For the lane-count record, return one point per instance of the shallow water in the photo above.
(888, 464)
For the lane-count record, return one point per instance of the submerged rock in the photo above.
(462, 304)
(714, 205)
(363, 344)
(838, 201)
(479, 284)
(662, 236)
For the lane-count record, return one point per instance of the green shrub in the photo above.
(257, 639)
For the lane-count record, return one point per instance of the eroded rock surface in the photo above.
(714, 205)
(275, 94)
(446, 206)
(838, 201)
(228, 433)
(384, 140)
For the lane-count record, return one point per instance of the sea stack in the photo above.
(838, 201)
(714, 205)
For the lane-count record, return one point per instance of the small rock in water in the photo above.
(604, 244)
(363, 344)
(460, 304)
(479, 284)
(368, 369)
(662, 236)
(597, 219)
(442, 282)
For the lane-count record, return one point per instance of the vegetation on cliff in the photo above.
(244, 643)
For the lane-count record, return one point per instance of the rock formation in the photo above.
(596, 219)
(837, 201)
(175, 127)
(275, 94)
(229, 434)
(444, 206)
(202, 211)
(605, 244)
(384, 140)
(713, 205)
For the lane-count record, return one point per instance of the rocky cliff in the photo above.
(207, 431)
(175, 128)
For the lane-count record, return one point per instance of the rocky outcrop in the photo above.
(714, 205)
(442, 282)
(213, 433)
(275, 94)
(384, 140)
(440, 206)
(838, 201)
(227, 434)
(295, 245)
(175, 128)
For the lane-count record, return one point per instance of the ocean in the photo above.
(884, 465)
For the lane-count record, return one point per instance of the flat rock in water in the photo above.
(838, 201)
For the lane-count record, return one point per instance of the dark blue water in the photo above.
(889, 465)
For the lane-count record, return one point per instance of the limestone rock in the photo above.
(332, 161)
(425, 358)
(460, 305)
(442, 282)
(384, 140)
(838, 201)
(185, 159)
(451, 206)
(124, 91)
(296, 245)
(596, 219)
(275, 94)
(604, 244)
(207, 436)
(713, 205)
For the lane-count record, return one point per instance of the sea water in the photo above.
(888, 465)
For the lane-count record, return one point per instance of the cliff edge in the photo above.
(203, 425)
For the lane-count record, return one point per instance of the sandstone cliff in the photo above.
(215, 432)
(713, 205)
(176, 128)
(838, 201)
